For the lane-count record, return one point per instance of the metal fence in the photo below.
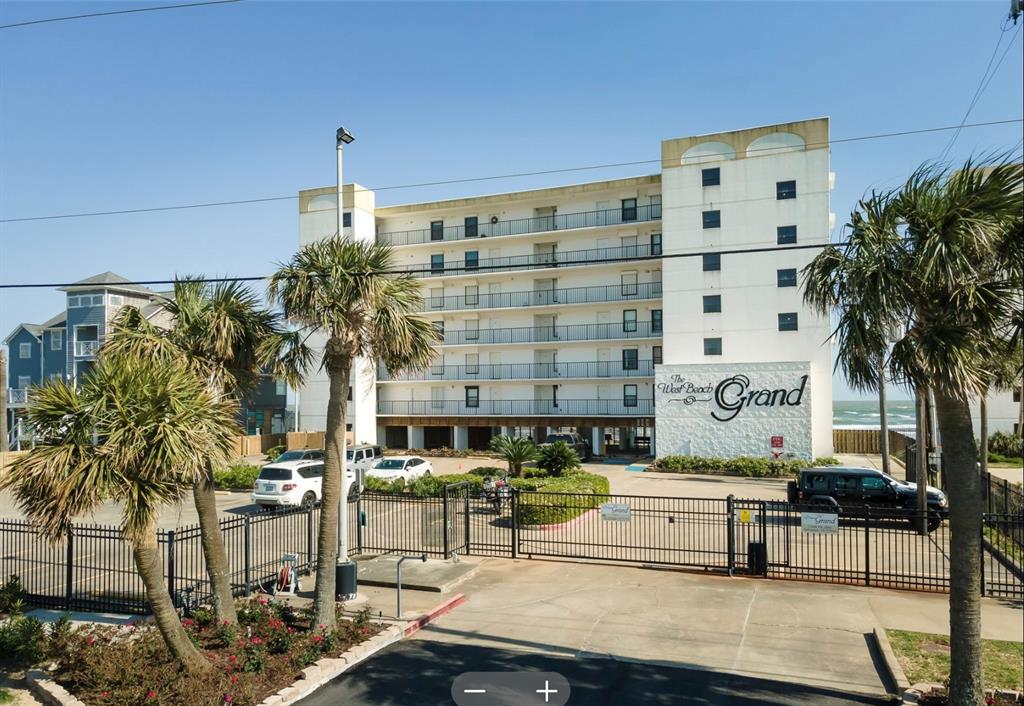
(92, 567)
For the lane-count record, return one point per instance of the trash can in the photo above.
(757, 558)
(344, 580)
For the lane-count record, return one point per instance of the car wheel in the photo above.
(308, 500)
(426, 473)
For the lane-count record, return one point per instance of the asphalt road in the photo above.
(421, 672)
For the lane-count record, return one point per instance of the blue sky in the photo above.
(241, 101)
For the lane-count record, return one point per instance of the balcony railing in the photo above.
(87, 348)
(17, 395)
(560, 258)
(508, 408)
(546, 297)
(527, 371)
(552, 334)
(522, 226)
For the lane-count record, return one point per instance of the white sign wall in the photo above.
(734, 409)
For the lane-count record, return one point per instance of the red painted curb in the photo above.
(446, 607)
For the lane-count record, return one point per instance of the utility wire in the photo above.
(116, 12)
(209, 204)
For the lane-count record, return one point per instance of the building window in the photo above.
(628, 210)
(787, 277)
(24, 381)
(655, 244)
(655, 320)
(711, 219)
(629, 396)
(471, 226)
(437, 230)
(712, 303)
(1016, 395)
(712, 262)
(439, 325)
(629, 283)
(437, 398)
(472, 329)
(656, 355)
(56, 340)
(82, 300)
(437, 263)
(25, 350)
(712, 346)
(711, 176)
(630, 359)
(786, 235)
(629, 320)
(787, 321)
(472, 259)
(472, 363)
(785, 190)
(346, 219)
(116, 300)
(472, 296)
(280, 388)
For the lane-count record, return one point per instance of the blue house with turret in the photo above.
(65, 346)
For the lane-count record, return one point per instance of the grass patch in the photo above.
(925, 658)
(6, 697)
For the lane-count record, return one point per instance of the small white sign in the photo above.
(616, 512)
(819, 522)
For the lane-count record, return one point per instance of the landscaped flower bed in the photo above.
(266, 653)
(749, 466)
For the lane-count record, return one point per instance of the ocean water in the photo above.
(864, 413)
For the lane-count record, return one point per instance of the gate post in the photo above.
(515, 523)
(447, 527)
(867, 546)
(465, 508)
(69, 579)
(982, 554)
(170, 564)
(730, 523)
(248, 556)
(359, 521)
(309, 539)
(764, 534)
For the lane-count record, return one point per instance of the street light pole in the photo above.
(344, 572)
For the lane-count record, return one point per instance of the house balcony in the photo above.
(525, 371)
(517, 408)
(87, 349)
(543, 260)
(546, 297)
(17, 396)
(552, 334)
(525, 226)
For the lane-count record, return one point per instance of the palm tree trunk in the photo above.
(213, 548)
(983, 413)
(150, 566)
(965, 513)
(883, 418)
(338, 370)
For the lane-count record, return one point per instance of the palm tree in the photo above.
(952, 241)
(516, 450)
(343, 291)
(136, 431)
(222, 333)
(856, 281)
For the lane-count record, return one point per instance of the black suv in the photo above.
(574, 440)
(844, 488)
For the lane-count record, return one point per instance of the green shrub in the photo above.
(484, 471)
(237, 476)
(1006, 444)
(23, 640)
(558, 457)
(12, 595)
(1000, 458)
(749, 466)
(571, 496)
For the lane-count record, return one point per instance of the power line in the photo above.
(481, 269)
(116, 12)
(209, 204)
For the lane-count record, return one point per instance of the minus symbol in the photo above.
(474, 691)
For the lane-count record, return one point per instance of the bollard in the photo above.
(398, 581)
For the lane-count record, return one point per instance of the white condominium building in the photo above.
(616, 308)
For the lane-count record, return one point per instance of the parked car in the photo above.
(300, 455)
(293, 484)
(844, 488)
(362, 456)
(408, 468)
(574, 440)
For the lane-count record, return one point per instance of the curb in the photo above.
(893, 670)
(48, 691)
(447, 607)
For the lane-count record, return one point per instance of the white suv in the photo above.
(291, 484)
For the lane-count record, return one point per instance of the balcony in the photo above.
(546, 297)
(524, 226)
(566, 258)
(87, 349)
(17, 396)
(526, 371)
(552, 334)
(517, 408)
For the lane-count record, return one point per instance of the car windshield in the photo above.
(289, 456)
(391, 463)
(276, 474)
(552, 438)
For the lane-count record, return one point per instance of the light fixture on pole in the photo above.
(344, 570)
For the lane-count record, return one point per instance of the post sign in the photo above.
(777, 442)
(616, 512)
(819, 522)
(745, 515)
